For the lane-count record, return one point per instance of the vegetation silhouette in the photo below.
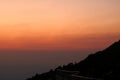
(101, 65)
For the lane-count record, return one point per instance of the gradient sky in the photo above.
(36, 35)
(58, 24)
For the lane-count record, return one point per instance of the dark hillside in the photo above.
(103, 64)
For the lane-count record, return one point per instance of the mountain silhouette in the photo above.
(103, 65)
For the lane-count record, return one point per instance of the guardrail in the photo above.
(71, 75)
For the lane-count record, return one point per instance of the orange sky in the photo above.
(58, 24)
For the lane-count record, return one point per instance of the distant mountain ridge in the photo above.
(102, 65)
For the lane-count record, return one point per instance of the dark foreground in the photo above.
(103, 65)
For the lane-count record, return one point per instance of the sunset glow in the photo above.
(58, 24)
(39, 35)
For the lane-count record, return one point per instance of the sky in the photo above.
(58, 24)
(37, 32)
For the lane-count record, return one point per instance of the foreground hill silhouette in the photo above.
(101, 65)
